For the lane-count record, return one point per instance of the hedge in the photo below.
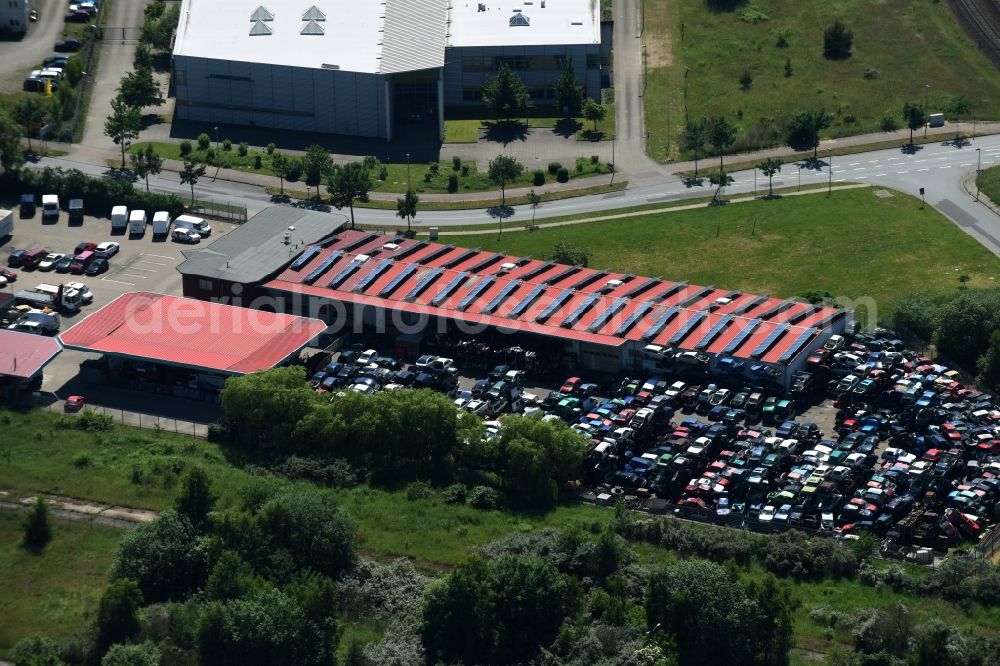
(99, 194)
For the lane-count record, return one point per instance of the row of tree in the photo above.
(396, 437)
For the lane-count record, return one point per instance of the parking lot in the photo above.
(142, 264)
(20, 56)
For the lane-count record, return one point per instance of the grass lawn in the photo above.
(910, 43)
(800, 243)
(989, 183)
(465, 124)
(56, 592)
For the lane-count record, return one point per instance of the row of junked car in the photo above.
(914, 455)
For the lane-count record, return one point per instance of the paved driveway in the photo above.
(20, 56)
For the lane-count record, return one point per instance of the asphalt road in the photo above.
(19, 57)
(936, 167)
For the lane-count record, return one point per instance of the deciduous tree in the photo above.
(769, 168)
(28, 111)
(347, 184)
(118, 614)
(594, 112)
(123, 124)
(138, 88)
(804, 128)
(837, 41)
(195, 500)
(166, 557)
(913, 116)
(317, 163)
(146, 163)
(406, 206)
(10, 142)
(693, 140)
(503, 170)
(190, 174)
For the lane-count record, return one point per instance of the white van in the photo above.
(195, 224)
(161, 223)
(119, 218)
(50, 205)
(137, 222)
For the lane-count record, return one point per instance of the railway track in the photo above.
(981, 19)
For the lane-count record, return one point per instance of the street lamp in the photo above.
(216, 137)
(927, 90)
(979, 168)
(407, 172)
(829, 189)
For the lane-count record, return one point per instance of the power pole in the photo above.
(829, 189)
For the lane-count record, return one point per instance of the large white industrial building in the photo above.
(366, 67)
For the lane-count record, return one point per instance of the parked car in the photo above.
(67, 45)
(185, 236)
(85, 294)
(97, 266)
(107, 249)
(63, 265)
(50, 260)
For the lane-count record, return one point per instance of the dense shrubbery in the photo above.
(394, 438)
(99, 194)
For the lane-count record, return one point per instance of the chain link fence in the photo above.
(218, 210)
(145, 421)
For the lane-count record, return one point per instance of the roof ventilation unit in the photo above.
(519, 19)
(259, 28)
(314, 14)
(261, 14)
(312, 28)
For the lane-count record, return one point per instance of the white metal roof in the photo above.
(415, 34)
(221, 30)
(494, 22)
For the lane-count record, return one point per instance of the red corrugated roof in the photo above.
(533, 272)
(192, 333)
(22, 355)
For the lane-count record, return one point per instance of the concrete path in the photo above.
(71, 508)
(116, 59)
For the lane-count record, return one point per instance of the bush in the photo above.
(562, 175)
(243, 148)
(870, 73)
(294, 170)
(428, 176)
(594, 159)
(204, 141)
(258, 162)
(484, 498)
(465, 171)
(554, 168)
(185, 147)
(456, 163)
(453, 183)
(82, 460)
(419, 490)
(227, 145)
(581, 164)
(538, 177)
(210, 155)
(454, 494)
(270, 148)
(91, 421)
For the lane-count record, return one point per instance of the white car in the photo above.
(107, 249)
(767, 514)
(3, 281)
(85, 294)
(366, 357)
(185, 236)
(49, 261)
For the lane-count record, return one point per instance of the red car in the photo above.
(570, 385)
(74, 403)
(84, 247)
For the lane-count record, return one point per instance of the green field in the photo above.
(781, 247)
(910, 43)
(989, 183)
(56, 592)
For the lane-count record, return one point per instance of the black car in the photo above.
(16, 258)
(27, 205)
(56, 61)
(67, 46)
(97, 266)
(62, 266)
(34, 84)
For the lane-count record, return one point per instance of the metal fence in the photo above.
(146, 421)
(218, 210)
(989, 547)
(85, 84)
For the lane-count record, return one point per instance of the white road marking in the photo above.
(145, 270)
(131, 284)
(862, 177)
(893, 158)
(901, 172)
(872, 161)
(947, 166)
(138, 277)
(879, 175)
(854, 164)
(158, 256)
(966, 164)
(923, 169)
